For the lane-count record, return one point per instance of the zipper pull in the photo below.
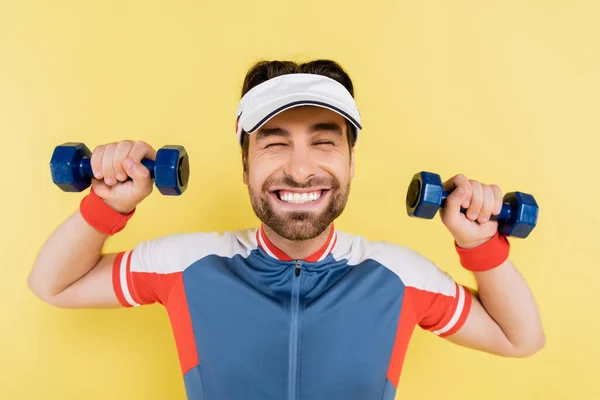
(297, 267)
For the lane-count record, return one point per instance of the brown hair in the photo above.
(265, 70)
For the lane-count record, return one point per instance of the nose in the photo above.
(300, 166)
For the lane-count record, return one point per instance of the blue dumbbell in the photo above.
(72, 172)
(426, 195)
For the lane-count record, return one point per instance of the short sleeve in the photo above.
(148, 273)
(145, 274)
(441, 304)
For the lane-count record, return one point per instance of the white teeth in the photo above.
(299, 198)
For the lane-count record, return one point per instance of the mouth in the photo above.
(299, 197)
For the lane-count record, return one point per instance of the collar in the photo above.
(272, 250)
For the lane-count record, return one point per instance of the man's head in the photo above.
(299, 164)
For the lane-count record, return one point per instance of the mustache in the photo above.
(288, 181)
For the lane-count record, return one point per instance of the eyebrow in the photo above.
(334, 127)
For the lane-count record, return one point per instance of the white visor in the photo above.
(278, 94)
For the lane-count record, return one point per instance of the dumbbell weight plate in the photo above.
(64, 166)
(172, 170)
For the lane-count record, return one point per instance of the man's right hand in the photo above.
(120, 178)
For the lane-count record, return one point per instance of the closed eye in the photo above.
(274, 144)
(329, 142)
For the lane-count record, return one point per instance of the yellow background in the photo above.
(505, 92)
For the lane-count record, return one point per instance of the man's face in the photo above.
(299, 171)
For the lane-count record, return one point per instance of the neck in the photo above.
(297, 249)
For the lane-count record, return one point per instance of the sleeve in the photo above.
(143, 275)
(441, 304)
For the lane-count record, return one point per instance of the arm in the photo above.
(504, 318)
(70, 270)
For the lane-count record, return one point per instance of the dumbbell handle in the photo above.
(504, 215)
(85, 167)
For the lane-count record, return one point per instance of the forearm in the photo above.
(72, 250)
(508, 300)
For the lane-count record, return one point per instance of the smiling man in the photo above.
(292, 309)
(299, 182)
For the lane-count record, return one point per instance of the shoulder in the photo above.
(357, 249)
(206, 242)
(175, 252)
(413, 268)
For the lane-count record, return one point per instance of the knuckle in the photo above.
(124, 142)
(139, 149)
(141, 144)
(461, 179)
(124, 146)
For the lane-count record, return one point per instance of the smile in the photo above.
(299, 198)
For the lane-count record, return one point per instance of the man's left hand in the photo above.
(481, 201)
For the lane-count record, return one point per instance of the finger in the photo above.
(476, 201)
(96, 161)
(140, 176)
(139, 152)
(121, 153)
(108, 170)
(498, 199)
(488, 204)
(101, 189)
(142, 150)
(461, 191)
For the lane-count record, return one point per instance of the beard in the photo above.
(299, 225)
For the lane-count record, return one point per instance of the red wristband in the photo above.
(485, 257)
(101, 216)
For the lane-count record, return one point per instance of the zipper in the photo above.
(293, 350)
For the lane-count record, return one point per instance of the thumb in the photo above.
(455, 200)
(102, 189)
(138, 173)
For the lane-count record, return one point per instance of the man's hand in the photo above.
(120, 178)
(481, 202)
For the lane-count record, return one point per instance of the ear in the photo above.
(352, 163)
(245, 166)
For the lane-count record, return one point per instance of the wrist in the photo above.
(120, 210)
(97, 213)
(485, 256)
(471, 245)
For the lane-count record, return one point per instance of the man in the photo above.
(293, 309)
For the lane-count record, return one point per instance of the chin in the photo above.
(300, 227)
(302, 217)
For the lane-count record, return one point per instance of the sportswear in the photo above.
(486, 256)
(101, 216)
(251, 323)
